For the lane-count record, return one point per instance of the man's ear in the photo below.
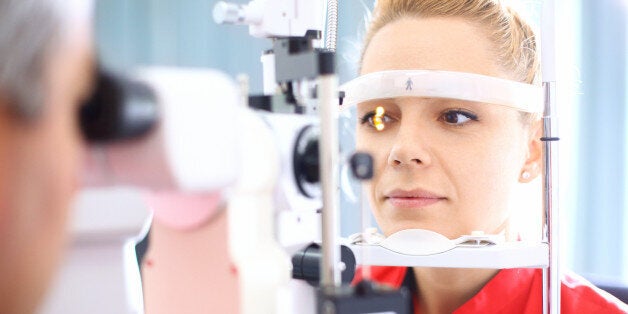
(6, 134)
(8, 121)
(532, 166)
(5, 114)
(6, 109)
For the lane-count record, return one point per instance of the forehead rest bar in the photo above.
(443, 84)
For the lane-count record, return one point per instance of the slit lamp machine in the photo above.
(273, 165)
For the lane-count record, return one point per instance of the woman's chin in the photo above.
(401, 225)
(396, 227)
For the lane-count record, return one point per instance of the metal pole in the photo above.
(329, 161)
(551, 275)
(550, 199)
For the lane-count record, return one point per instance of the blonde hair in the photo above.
(515, 42)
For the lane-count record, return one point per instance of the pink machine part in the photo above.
(183, 211)
(187, 268)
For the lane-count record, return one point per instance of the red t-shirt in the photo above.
(517, 290)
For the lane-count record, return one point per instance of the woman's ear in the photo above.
(532, 166)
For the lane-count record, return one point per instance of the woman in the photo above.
(453, 166)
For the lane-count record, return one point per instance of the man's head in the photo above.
(45, 73)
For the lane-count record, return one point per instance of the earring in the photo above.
(525, 175)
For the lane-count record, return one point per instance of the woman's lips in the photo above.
(412, 199)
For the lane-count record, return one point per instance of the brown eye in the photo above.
(457, 117)
(377, 119)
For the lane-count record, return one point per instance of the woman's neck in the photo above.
(443, 290)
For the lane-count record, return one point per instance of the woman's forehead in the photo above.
(421, 104)
(435, 105)
(404, 101)
(450, 44)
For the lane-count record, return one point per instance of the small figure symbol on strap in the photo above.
(409, 84)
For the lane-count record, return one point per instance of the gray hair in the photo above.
(28, 31)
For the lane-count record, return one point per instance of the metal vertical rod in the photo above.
(550, 198)
(551, 275)
(329, 163)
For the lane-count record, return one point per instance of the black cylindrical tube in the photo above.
(306, 264)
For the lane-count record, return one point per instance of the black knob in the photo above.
(362, 166)
(306, 264)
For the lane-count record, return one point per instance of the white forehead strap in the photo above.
(443, 84)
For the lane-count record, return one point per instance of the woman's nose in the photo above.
(410, 148)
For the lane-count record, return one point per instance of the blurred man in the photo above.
(45, 73)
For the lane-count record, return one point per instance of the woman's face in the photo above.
(442, 165)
